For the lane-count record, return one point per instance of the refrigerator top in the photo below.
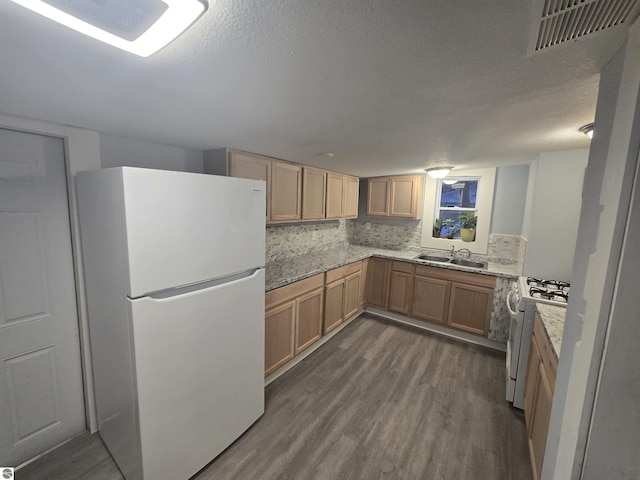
(160, 229)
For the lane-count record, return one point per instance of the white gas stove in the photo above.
(524, 294)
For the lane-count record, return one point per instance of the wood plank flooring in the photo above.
(378, 401)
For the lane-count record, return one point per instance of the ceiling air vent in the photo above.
(560, 21)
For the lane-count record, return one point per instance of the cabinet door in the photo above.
(470, 308)
(430, 299)
(533, 369)
(286, 188)
(405, 195)
(314, 187)
(377, 282)
(351, 187)
(363, 282)
(278, 336)
(378, 197)
(333, 305)
(335, 195)
(400, 292)
(352, 294)
(253, 167)
(309, 316)
(540, 421)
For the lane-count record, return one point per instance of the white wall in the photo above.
(121, 151)
(509, 200)
(554, 214)
(595, 404)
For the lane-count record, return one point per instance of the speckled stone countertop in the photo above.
(289, 270)
(553, 321)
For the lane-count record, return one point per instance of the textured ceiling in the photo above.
(387, 86)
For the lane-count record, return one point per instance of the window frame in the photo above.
(484, 205)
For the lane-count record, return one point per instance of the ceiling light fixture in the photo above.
(438, 172)
(587, 130)
(141, 27)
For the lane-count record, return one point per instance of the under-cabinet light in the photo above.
(141, 27)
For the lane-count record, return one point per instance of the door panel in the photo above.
(41, 390)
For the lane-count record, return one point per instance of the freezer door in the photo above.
(183, 228)
(199, 364)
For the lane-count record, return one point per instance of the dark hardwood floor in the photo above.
(378, 401)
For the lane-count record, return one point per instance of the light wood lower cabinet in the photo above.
(342, 294)
(430, 299)
(377, 282)
(293, 320)
(363, 282)
(333, 311)
(470, 308)
(538, 394)
(458, 299)
(400, 287)
(278, 335)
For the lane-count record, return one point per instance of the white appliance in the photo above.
(174, 276)
(521, 302)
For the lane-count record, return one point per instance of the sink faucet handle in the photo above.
(453, 250)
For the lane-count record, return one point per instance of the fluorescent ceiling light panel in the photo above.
(141, 27)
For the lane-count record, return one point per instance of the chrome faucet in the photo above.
(465, 250)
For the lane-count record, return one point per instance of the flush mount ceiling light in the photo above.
(141, 27)
(587, 130)
(438, 172)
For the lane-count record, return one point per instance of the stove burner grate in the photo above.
(555, 295)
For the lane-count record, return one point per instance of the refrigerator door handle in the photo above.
(173, 293)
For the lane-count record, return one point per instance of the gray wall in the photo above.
(509, 199)
(122, 151)
(555, 214)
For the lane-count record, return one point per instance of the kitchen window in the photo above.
(472, 192)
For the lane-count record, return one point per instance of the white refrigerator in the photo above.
(174, 276)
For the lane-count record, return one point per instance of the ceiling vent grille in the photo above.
(569, 20)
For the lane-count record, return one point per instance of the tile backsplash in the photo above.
(284, 241)
(288, 240)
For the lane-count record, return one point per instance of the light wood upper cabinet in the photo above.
(294, 192)
(286, 191)
(342, 196)
(335, 195)
(406, 195)
(378, 199)
(314, 189)
(398, 196)
(351, 195)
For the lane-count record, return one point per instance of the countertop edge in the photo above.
(553, 323)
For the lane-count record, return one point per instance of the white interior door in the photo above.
(41, 390)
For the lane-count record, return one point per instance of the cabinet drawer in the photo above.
(341, 272)
(402, 267)
(293, 290)
(470, 278)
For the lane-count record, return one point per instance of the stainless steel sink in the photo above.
(433, 258)
(468, 263)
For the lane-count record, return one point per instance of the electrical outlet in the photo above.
(367, 225)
